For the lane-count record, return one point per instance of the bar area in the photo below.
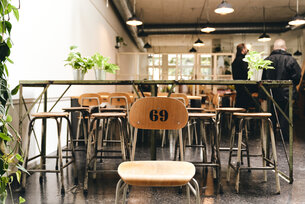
(135, 101)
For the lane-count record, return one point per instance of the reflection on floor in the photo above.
(252, 187)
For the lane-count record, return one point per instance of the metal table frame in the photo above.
(264, 85)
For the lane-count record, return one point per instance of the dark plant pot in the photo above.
(4, 51)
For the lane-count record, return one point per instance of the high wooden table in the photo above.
(264, 85)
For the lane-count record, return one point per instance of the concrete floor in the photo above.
(252, 187)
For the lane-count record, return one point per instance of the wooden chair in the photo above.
(87, 102)
(104, 96)
(157, 113)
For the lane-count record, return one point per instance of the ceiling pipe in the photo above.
(221, 28)
(123, 7)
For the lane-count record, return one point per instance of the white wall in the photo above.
(42, 39)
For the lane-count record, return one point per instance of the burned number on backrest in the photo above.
(162, 115)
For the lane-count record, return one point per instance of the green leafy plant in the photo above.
(119, 41)
(76, 61)
(10, 159)
(256, 62)
(101, 62)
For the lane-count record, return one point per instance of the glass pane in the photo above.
(206, 60)
(171, 73)
(172, 60)
(224, 65)
(187, 59)
(157, 59)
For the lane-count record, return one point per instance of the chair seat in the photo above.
(253, 115)
(230, 109)
(108, 115)
(202, 115)
(71, 109)
(50, 114)
(156, 173)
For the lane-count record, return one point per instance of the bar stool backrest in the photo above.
(119, 99)
(158, 113)
(182, 97)
(90, 99)
(104, 95)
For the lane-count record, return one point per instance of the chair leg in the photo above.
(119, 187)
(242, 123)
(247, 147)
(232, 138)
(188, 194)
(88, 158)
(134, 144)
(60, 155)
(26, 154)
(122, 141)
(264, 147)
(277, 180)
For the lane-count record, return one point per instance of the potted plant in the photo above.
(79, 64)
(256, 64)
(101, 66)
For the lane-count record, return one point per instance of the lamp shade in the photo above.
(192, 50)
(224, 8)
(297, 20)
(134, 21)
(297, 53)
(147, 45)
(208, 29)
(264, 38)
(198, 43)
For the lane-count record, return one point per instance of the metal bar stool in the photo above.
(222, 111)
(57, 116)
(272, 164)
(157, 113)
(204, 119)
(94, 142)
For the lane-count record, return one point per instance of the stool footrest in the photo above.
(43, 170)
(205, 164)
(102, 150)
(108, 157)
(112, 141)
(103, 171)
(195, 146)
(257, 168)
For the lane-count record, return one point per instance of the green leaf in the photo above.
(4, 136)
(73, 47)
(16, 12)
(18, 176)
(22, 168)
(10, 61)
(9, 118)
(8, 26)
(19, 157)
(15, 90)
(9, 43)
(21, 200)
(5, 68)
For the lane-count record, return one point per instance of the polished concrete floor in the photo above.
(252, 187)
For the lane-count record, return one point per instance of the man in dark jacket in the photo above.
(286, 68)
(240, 72)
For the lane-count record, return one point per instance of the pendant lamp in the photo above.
(264, 37)
(198, 43)
(224, 8)
(297, 19)
(133, 20)
(208, 29)
(192, 50)
(147, 45)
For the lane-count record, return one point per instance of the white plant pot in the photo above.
(78, 75)
(257, 75)
(100, 74)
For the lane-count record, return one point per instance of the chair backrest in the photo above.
(119, 99)
(158, 113)
(104, 96)
(89, 99)
(182, 97)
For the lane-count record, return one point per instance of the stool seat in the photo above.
(253, 115)
(230, 109)
(108, 114)
(71, 109)
(202, 115)
(156, 173)
(50, 114)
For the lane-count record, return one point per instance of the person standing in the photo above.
(240, 72)
(286, 68)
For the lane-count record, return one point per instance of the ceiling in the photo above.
(186, 17)
(192, 11)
